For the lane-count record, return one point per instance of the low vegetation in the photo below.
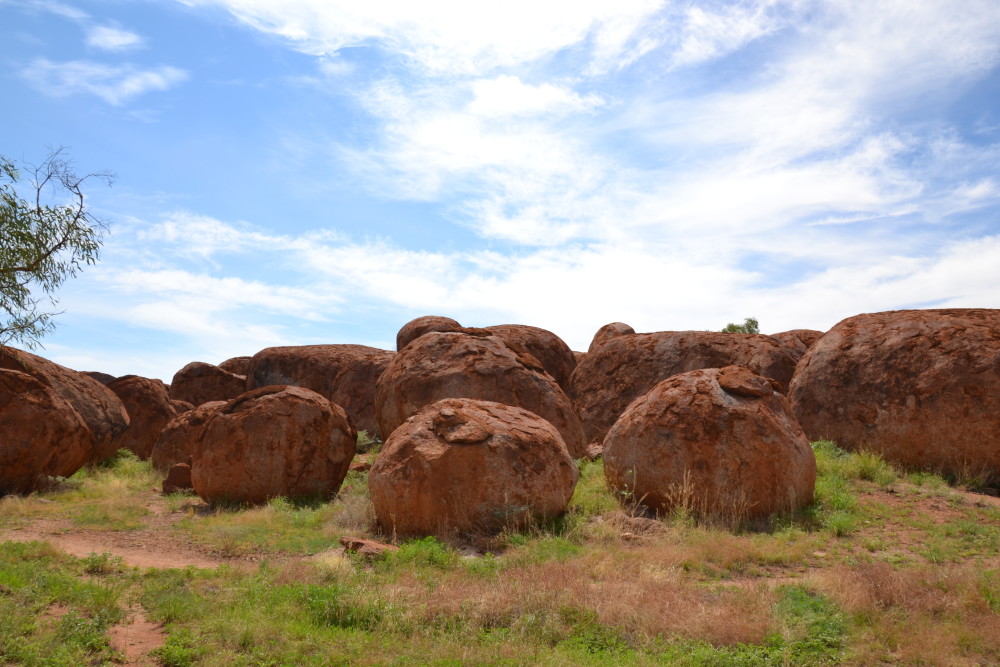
(883, 567)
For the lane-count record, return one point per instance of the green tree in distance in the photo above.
(45, 238)
(749, 325)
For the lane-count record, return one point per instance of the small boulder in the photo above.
(178, 479)
(236, 365)
(549, 349)
(181, 435)
(103, 378)
(199, 383)
(463, 365)
(416, 328)
(920, 387)
(798, 341)
(149, 409)
(463, 466)
(607, 332)
(368, 549)
(720, 443)
(627, 366)
(344, 374)
(270, 442)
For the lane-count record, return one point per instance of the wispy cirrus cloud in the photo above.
(115, 84)
(113, 38)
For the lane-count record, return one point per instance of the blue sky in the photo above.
(323, 171)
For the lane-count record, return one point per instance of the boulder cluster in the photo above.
(482, 425)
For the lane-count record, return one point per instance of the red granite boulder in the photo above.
(463, 466)
(798, 341)
(422, 325)
(463, 365)
(721, 443)
(549, 349)
(607, 332)
(625, 367)
(270, 442)
(42, 434)
(181, 435)
(920, 387)
(344, 374)
(102, 411)
(199, 382)
(149, 409)
(178, 479)
(236, 365)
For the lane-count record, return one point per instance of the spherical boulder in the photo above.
(102, 412)
(416, 328)
(462, 365)
(720, 443)
(609, 331)
(549, 349)
(625, 367)
(149, 409)
(180, 436)
(920, 387)
(270, 442)
(462, 466)
(199, 382)
(42, 434)
(344, 374)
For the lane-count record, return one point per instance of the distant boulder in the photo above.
(462, 466)
(149, 409)
(607, 332)
(236, 365)
(920, 387)
(181, 435)
(103, 378)
(549, 349)
(423, 325)
(199, 382)
(798, 341)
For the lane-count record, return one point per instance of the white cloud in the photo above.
(507, 95)
(111, 38)
(116, 85)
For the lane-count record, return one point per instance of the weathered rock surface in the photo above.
(236, 365)
(270, 442)
(199, 382)
(464, 466)
(344, 374)
(422, 325)
(798, 341)
(549, 349)
(149, 410)
(625, 367)
(181, 435)
(178, 479)
(921, 387)
(462, 365)
(719, 442)
(607, 332)
(42, 434)
(103, 378)
(102, 411)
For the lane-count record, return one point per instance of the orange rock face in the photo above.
(550, 350)
(270, 442)
(42, 434)
(199, 383)
(921, 387)
(423, 325)
(625, 367)
(462, 365)
(102, 411)
(149, 409)
(719, 442)
(344, 374)
(181, 436)
(464, 466)
(607, 332)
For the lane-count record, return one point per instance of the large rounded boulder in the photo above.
(200, 382)
(270, 442)
(149, 408)
(625, 367)
(344, 374)
(102, 412)
(921, 387)
(550, 350)
(182, 435)
(43, 435)
(416, 328)
(462, 466)
(720, 443)
(607, 332)
(463, 365)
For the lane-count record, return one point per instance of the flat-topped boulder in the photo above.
(625, 367)
(462, 365)
(464, 466)
(920, 387)
(200, 382)
(721, 443)
(344, 374)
